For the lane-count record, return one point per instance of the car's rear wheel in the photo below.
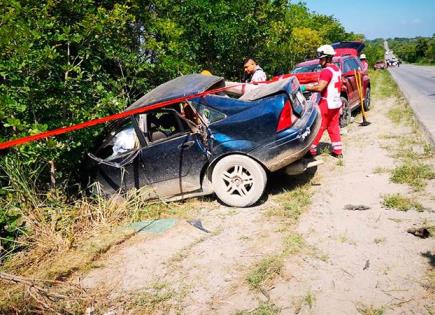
(346, 114)
(367, 100)
(238, 180)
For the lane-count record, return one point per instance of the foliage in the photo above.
(414, 50)
(63, 62)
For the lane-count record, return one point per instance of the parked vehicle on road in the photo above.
(379, 65)
(347, 60)
(224, 144)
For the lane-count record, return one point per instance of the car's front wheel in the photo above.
(238, 180)
(346, 114)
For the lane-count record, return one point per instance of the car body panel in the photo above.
(352, 48)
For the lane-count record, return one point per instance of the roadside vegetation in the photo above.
(400, 202)
(411, 150)
(420, 50)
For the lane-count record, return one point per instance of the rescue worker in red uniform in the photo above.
(364, 63)
(329, 86)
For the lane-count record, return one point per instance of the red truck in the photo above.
(347, 60)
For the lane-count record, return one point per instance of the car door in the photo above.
(172, 164)
(117, 166)
(350, 81)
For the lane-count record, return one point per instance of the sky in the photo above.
(380, 18)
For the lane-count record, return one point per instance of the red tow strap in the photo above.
(93, 122)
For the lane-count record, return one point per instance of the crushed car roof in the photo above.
(179, 87)
(264, 90)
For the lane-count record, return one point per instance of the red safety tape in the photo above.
(93, 122)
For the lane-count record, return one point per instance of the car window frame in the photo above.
(178, 134)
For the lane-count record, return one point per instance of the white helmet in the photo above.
(325, 51)
(363, 56)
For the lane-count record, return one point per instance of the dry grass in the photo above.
(369, 310)
(60, 237)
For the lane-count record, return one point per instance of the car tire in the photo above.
(367, 100)
(346, 114)
(238, 180)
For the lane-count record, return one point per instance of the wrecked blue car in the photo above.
(224, 143)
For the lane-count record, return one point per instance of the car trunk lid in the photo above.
(353, 48)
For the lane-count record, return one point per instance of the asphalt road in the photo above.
(418, 85)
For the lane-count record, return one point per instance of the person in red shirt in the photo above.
(329, 86)
(364, 63)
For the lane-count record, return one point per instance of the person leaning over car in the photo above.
(364, 63)
(253, 72)
(329, 86)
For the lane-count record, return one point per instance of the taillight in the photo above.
(285, 118)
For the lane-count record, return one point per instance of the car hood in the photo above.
(179, 87)
(348, 48)
(307, 77)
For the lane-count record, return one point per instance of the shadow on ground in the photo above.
(430, 257)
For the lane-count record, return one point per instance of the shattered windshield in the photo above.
(208, 114)
(310, 68)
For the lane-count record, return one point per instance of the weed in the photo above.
(264, 271)
(291, 204)
(395, 220)
(152, 299)
(401, 113)
(343, 238)
(293, 243)
(401, 203)
(309, 299)
(262, 309)
(184, 252)
(414, 174)
(380, 170)
(369, 310)
(379, 240)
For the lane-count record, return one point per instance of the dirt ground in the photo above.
(342, 262)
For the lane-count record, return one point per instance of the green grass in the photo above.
(309, 299)
(401, 203)
(414, 174)
(264, 271)
(262, 309)
(293, 243)
(385, 85)
(291, 204)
